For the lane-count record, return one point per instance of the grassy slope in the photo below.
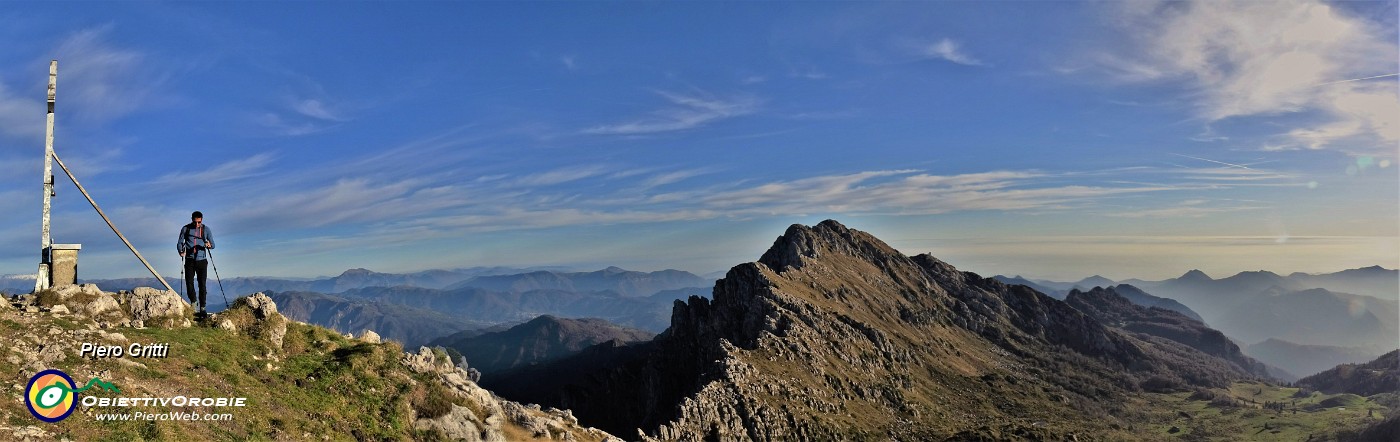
(320, 385)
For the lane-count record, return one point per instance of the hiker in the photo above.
(195, 239)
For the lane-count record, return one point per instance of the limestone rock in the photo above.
(104, 306)
(76, 290)
(276, 329)
(227, 325)
(51, 353)
(425, 361)
(262, 305)
(59, 309)
(158, 307)
(458, 424)
(371, 337)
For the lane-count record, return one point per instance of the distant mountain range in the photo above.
(1352, 309)
(347, 280)
(539, 340)
(410, 326)
(471, 297)
(612, 279)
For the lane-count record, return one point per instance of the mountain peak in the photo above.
(614, 269)
(1094, 281)
(357, 272)
(1195, 275)
(801, 243)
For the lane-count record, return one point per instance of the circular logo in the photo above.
(50, 395)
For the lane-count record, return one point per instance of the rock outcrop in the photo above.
(486, 422)
(833, 334)
(162, 308)
(143, 307)
(371, 337)
(256, 315)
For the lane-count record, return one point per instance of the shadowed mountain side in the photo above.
(412, 327)
(835, 335)
(1302, 360)
(1045, 289)
(1134, 294)
(542, 339)
(1379, 376)
(1109, 307)
(1139, 297)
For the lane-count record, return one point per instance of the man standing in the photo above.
(195, 239)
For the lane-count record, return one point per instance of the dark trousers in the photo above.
(196, 268)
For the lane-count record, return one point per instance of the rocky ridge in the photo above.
(832, 334)
(1111, 308)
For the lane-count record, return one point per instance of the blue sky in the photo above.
(1050, 139)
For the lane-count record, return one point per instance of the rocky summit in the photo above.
(833, 334)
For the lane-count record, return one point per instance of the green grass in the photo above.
(319, 384)
(1197, 419)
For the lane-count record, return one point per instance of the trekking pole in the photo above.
(216, 276)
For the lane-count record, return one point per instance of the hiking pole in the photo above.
(216, 276)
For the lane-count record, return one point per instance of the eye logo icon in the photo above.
(50, 395)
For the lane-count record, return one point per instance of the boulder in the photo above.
(371, 337)
(459, 424)
(157, 307)
(59, 309)
(263, 307)
(77, 290)
(276, 329)
(104, 305)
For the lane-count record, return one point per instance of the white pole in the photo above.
(41, 279)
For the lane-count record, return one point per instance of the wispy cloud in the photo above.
(233, 170)
(21, 117)
(560, 176)
(672, 177)
(685, 112)
(280, 126)
(1189, 209)
(570, 62)
(104, 81)
(1254, 59)
(317, 109)
(951, 51)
